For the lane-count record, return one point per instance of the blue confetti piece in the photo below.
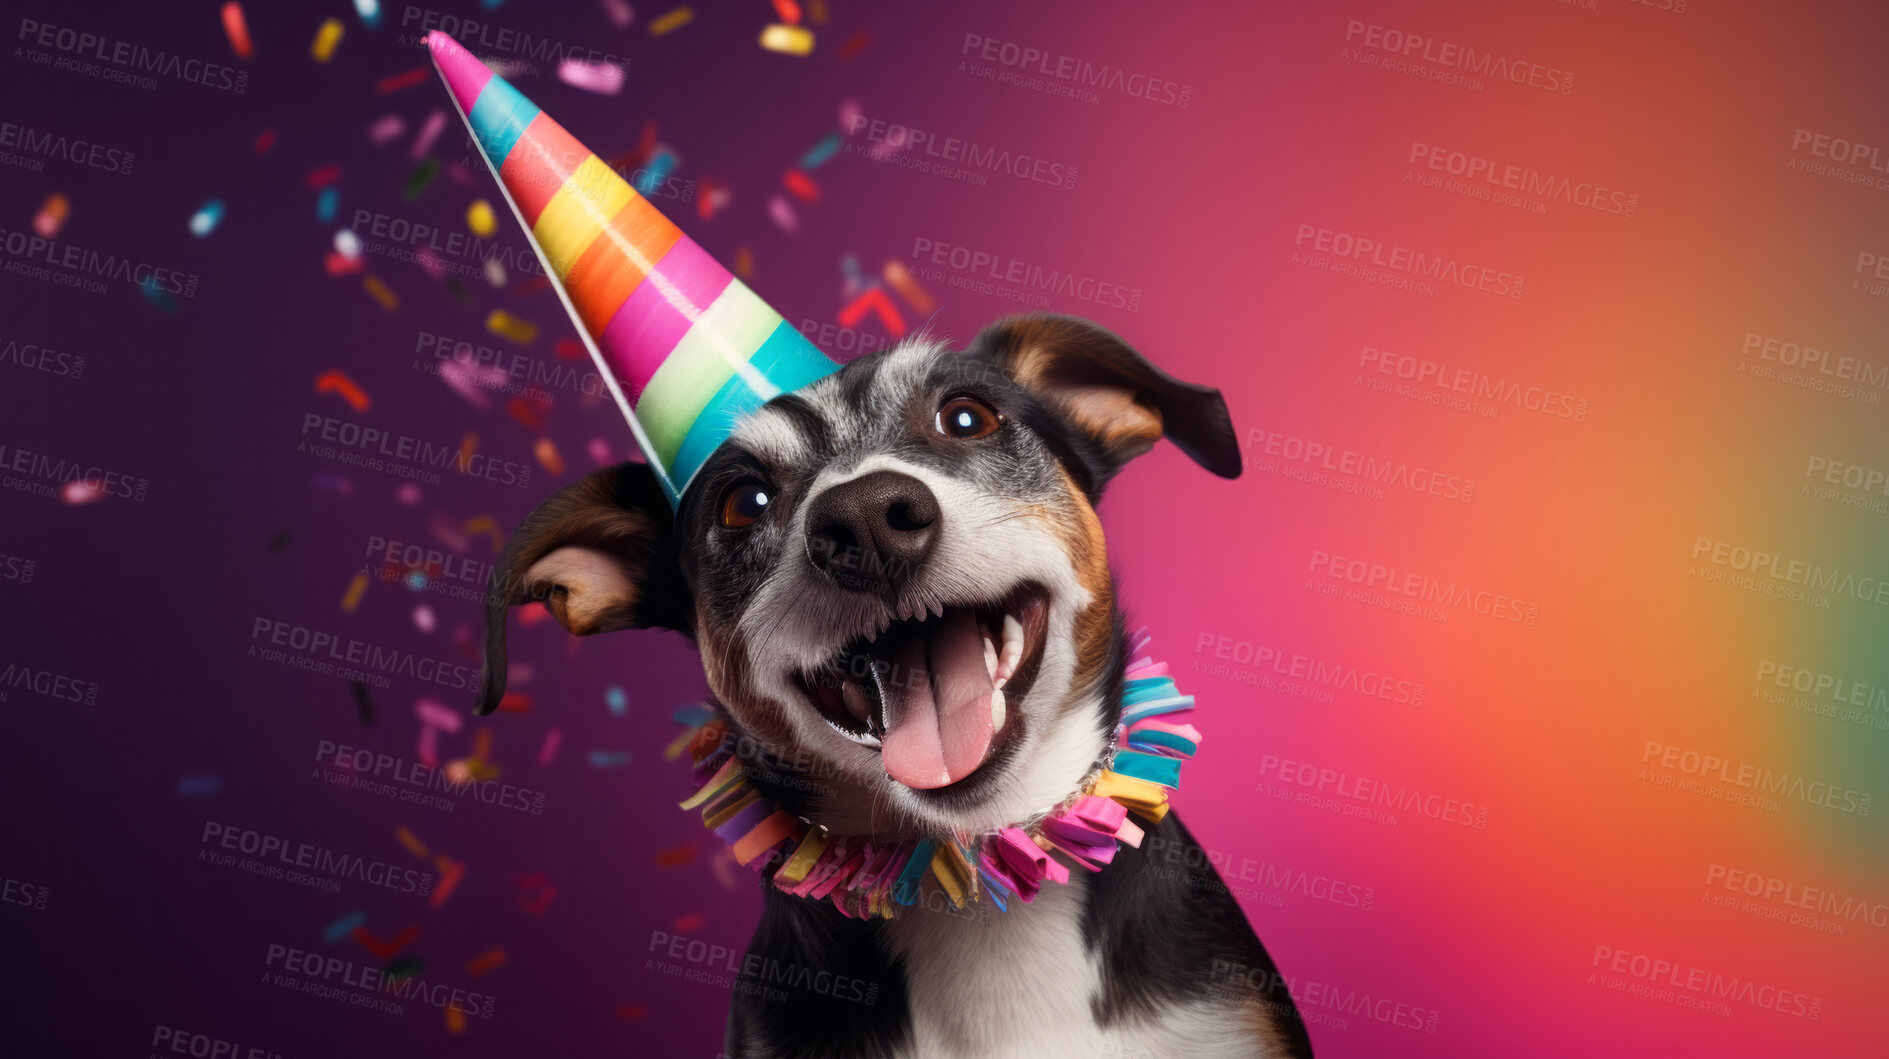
(656, 172)
(604, 759)
(191, 786)
(619, 702)
(207, 218)
(821, 151)
(416, 581)
(344, 926)
(327, 204)
(156, 295)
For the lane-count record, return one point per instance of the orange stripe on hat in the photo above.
(611, 268)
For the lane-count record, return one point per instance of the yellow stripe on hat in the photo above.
(718, 345)
(575, 216)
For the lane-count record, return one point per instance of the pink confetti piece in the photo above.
(386, 129)
(79, 491)
(237, 29)
(783, 214)
(465, 380)
(600, 452)
(604, 79)
(435, 124)
(428, 749)
(431, 262)
(434, 714)
(424, 619)
(619, 13)
(408, 493)
(549, 749)
(852, 115)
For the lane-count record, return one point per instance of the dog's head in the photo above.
(894, 575)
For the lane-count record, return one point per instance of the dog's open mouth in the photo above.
(938, 694)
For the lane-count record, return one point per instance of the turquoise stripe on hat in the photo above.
(785, 359)
(1151, 767)
(499, 118)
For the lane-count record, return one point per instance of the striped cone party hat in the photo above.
(685, 347)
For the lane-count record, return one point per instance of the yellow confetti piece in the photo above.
(411, 841)
(455, 1019)
(356, 589)
(788, 40)
(547, 452)
(744, 262)
(467, 446)
(516, 328)
(670, 21)
(482, 745)
(327, 38)
(479, 218)
(380, 293)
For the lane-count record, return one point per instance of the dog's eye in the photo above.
(745, 503)
(967, 418)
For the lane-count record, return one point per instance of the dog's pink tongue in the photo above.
(938, 705)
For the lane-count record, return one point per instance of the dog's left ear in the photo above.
(1118, 402)
(600, 554)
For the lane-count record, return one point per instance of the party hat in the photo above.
(686, 348)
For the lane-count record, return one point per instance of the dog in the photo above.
(897, 582)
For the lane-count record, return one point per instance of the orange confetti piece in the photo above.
(356, 589)
(670, 21)
(450, 872)
(516, 328)
(675, 856)
(380, 292)
(467, 446)
(901, 280)
(816, 12)
(455, 1019)
(528, 411)
(52, 215)
(237, 29)
(337, 381)
(410, 840)
(547, 452)
(788, 10)
(744, 262)
(482, 739)
(489, 960)
(488, 526)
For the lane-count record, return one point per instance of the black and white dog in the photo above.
(931, 514)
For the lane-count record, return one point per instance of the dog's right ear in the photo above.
(600, 554)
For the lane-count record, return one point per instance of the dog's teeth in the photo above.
(937, 608)
(990, 657)
(1013, 648)
(997, 710)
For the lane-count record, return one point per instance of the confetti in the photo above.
(423, 175)
(660, 166)
(600, 452)
(486, 526)
(386, 129)
(480, 219)
(52, 215)
(676, 856)
(527, 411)
(434, 715)
(712, 196)
(854, 45)
(81, 491)
(336, 381)
(429, 132)
(322, 176)
(347, 244)
(901, 280)
(408, 493)
(494, 272)
(264, 142)
(619, 13)
(467, 446)
(618, 702)
(602, 78)
(489, 960)
(548, 457)
(533, 892)
(455, 1019)
(672, 20)
(802, 186)
(787, 40)
(385, 948)
(399, 969)
(604, 759)
(505, 325)
(820, 152)
(193, 786)
(156, 295)
(631, 1011)
(396, 82)
(816, 12)
(341, 265)
(380, 293)
(690, 921)
(356, 589)
(430, 262)
(412, 841)
(549, 748)
(363, 702)
(344, 926)
(876, 301)
(369, 10)
(450, 872)
(510, 702)
(788, 10)
(327, 204)
(424, 619)
(744, 262)
(783, 213)
(327, 38)
(237, 30)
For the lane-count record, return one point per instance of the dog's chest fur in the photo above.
(1026, 983)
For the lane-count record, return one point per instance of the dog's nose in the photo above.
(874, 532)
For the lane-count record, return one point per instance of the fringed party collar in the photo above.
(864, 879)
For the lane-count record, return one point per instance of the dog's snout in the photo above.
(874, 532)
